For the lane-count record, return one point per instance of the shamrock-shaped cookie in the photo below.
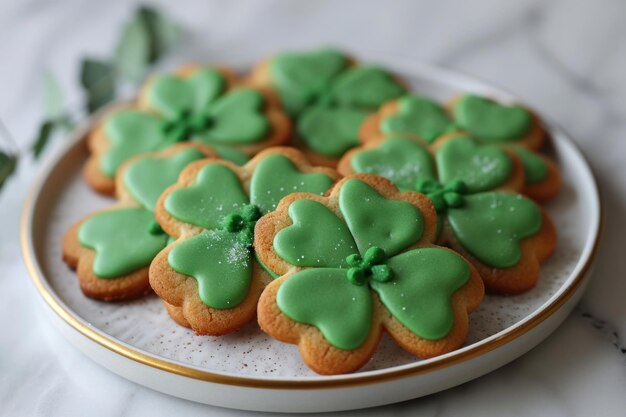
(488, 121)
(300, 78)
(330, 126)
(209, 277)
(512, 127)
(112, 248)
(473, 188)
(195, 105)
(355, 263)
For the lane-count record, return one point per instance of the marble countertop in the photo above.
(565, 58)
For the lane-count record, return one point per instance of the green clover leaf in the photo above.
(491, 225)
(489, 121)
(419, 116)
(400, 160)
(419, 294)
(277, 175)
(481, 168)
(130, 133)
(216, 193)
(147, 178)
(317, 237)
(324, 298)
(363, 87)
(220, 263)
(236, 118)
(330, 131)
(123, 240)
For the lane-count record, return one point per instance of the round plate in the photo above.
(249, 370)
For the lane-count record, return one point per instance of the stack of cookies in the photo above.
(319, 196)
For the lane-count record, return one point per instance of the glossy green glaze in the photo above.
(122, 240)
(491, 225)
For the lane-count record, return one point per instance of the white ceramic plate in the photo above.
(249, 370)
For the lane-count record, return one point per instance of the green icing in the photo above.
(231, 154)
(491, 225)
(535, 168)
(402, 161)
(276, 176)
(363, 87)
(481, 168)
(419, 295)
(236, 118)
(374, 220)
(330, 131)
(130, 132)
(489, 121)
(325, 299)
(216, 193)
(317, 237)
(147, 178)
(122, 240)
(419, 116)
(169, 94)
(301, 77)
(221, 264)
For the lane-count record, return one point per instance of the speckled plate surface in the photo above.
(248, 369)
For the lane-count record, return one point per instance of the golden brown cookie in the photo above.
(198, 104)
(476, 191)
(356, 262)
(111, 249)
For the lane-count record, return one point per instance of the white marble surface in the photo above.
(566, 58)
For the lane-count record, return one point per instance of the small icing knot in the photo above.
(443, 196)
(185, 124)
(242, 222)
(371, 265)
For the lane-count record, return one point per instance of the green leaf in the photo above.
(132, 54)
(144, 41)
(164, 34)
(43, 137)
(98, 79)
(53, 97)
(47, 130)
(8, 163)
